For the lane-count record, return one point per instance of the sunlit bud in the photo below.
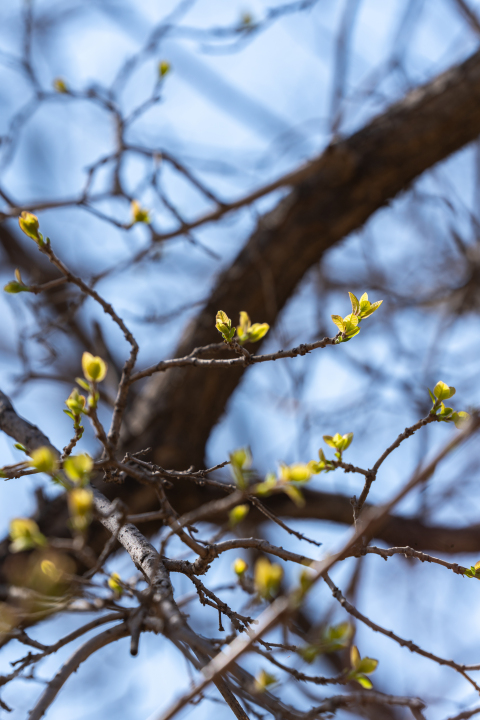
(25, 535)
(94, 368)
(29, 225)
(44, 460)
(139, 214)
(239, 566)
(78, 467)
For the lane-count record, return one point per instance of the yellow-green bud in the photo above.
(14, 287)
(94, 368)
(268, 577)
(114, 583)
(164, 68)
(80, 501)
(237, 514)
(25, 535)
(139, 214)
(29, 225)
(264, 680)
(60, 86)
(44, 460)
(75, 402)
(239, 567)
(78, 467)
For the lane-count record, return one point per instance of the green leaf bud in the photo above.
(44, 460)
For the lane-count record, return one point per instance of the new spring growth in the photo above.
(30, 226)
(60, 86)
(323, 464)
(76, 406)
(75, 403)
(94, 368)
(240, 464)
(224, 326)
(333, 638)
(16, 286)
(44, 460)
(349, 326)
(264, 680)
(361, 667)
(473, 571)
(49, 569)
(114, 583)
(80, 502)
(246, 332)
(267, 578)
(442, 392)
(139, 214)
(339, 442)
(164, 68)
(289, 478)
(78, 468)
(237, 514)
(239, 567)
(25, 535)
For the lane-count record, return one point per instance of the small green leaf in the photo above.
(44, 460)
(355, 303)
(367, 665)
(78, 468)
(241, 458)
(258, 331)
(295, 494)
(83, 383)
(223, 319)
(309, 653)
(364, 681)
(264, 680)
(298, 472)
(354, 657)
(30, 226)
(316, 467)
(346, 441)
(338, 320)
(371, 309)
(21, 447)
(442, 391)
(244, 326)
(15, 287)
